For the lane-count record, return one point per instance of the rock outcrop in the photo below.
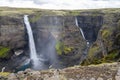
(92, 72)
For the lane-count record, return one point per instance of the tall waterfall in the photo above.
(88, 43)
(76, 21)
(33, 54)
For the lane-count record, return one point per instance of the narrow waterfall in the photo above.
(33, 54)
(87, 42)
(76, 21)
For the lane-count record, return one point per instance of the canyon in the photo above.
(60, 40)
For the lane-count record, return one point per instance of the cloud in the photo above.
(62, 4)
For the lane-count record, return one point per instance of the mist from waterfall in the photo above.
(46, 34)
(33, 54)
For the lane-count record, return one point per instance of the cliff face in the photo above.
(59, 36)
(106, 48)
(12, 32)
(90, 25)
(63, 31)
(13, 40)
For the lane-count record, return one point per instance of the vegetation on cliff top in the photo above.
(6, 11)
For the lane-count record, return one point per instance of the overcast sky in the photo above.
(62, 4)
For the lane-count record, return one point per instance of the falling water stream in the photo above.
(47, 56)
(76, 21)
(88, 43)
(33, 54)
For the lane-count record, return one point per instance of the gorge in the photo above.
(60, 40)
(89, 28)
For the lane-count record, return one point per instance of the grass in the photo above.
(35, 18)
(6, 11)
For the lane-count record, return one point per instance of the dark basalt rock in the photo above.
(106, 48)
(90, 26)
(12, 36)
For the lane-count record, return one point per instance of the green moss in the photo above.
(93, 50)
(4, 51)
(106, 33)
(85, 62)
(4, 74)
(93, 61)
(97, 61)
(91, 56)
(61, 48)
(112, 55)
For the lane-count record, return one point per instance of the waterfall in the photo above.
(33, 54)
(87, 42)
(76, 21)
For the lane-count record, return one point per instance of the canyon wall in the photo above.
(60, 27)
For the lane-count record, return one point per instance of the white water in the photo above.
(33, 54)
(88, 43)
(76, 21)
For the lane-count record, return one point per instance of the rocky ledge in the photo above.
(106, 71)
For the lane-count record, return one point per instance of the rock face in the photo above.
(13, 40)
(59, 34)
(92, 72)
(106, 48)
(60, 30)
(90, 26)
(12, 31)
